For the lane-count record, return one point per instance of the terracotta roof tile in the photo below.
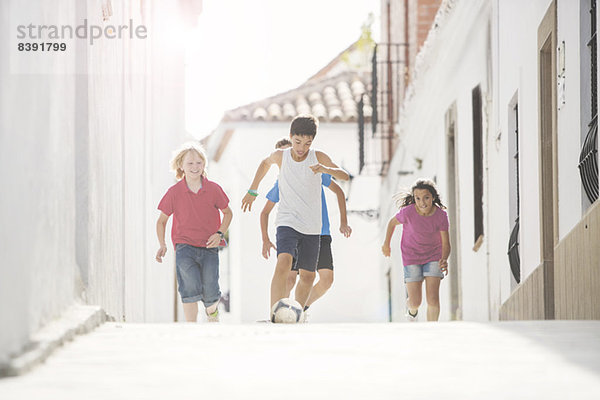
(259, 114)
(274, 111)
(289, 111)
(331, 99)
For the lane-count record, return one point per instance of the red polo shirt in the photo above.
(196, 216)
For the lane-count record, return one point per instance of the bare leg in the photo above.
(190, 310)
(278, 283)
(432, 287)
(291, 282)
(304, 286)
(322, 286)
(413, 302)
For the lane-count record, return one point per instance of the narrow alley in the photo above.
(493, 104)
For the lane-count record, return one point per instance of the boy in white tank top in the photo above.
(299, 216)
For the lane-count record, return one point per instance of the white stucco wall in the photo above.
(357, 281)
(135, 92)
(85, 158)
(518, 71)
(575, 114)
(38, 274)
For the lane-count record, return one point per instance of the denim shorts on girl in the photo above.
(197, 274)
(417, 272)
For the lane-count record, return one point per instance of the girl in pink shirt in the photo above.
(425, 245)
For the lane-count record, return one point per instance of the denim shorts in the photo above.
(304, 248)
(197, 274)
(417, 272)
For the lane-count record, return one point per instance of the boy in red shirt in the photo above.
(197, 231)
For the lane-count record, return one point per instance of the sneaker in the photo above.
(410, 317)
(303, 317)
(214, 317)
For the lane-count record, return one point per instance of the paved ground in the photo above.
(458, 360)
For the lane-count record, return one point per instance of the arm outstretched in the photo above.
(263, 168)
(391, 226)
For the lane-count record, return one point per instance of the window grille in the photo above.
(361, 134)
(588, 162)
(477, 164)
(514, 257)
(517, 156)
(387, 69)
(588, 158)
(386, 84)
(374, 91)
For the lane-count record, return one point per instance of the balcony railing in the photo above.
(514, 258)
(588, 162)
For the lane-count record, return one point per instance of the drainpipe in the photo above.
(390, 93)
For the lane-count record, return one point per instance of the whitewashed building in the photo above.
(86, 135)
(501, 112)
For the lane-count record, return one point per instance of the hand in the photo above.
(444, 266)
(247, 202)
(266, 248)
(161, 253)
(345, 230)
(319, 168)
(385, 249)
(213, 241)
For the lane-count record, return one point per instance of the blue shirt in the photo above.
(273, 196)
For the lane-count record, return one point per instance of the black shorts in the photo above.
(304, 248)
(325, 256)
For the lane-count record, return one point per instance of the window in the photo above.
(361, 134)
(514, 190)
(477, 168)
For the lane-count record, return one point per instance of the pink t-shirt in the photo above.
(421, 240)
(196, 216)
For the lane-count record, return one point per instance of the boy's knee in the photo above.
(284, 258)
(307, 276)
(326, 279)
(291, 280)
(284, 263)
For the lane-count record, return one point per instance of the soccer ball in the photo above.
(286, 311)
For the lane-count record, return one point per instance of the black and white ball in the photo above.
(286, 311)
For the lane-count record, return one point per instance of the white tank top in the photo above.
(299, 194)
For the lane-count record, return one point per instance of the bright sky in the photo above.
(246, 50)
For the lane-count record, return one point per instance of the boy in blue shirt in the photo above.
(325, 260)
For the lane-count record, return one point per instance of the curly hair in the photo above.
(406, 198)
(282, 143)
